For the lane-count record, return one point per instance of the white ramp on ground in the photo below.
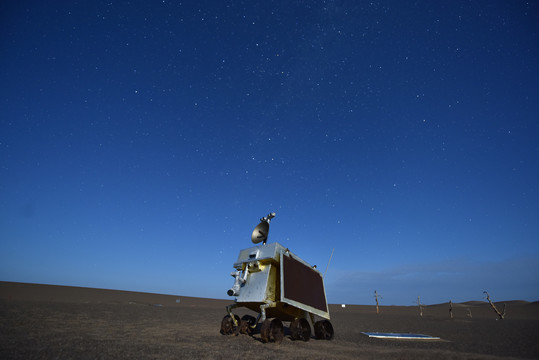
(400, 336)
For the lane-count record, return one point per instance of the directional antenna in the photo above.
(261, 231)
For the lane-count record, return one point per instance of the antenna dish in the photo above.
(260, 233)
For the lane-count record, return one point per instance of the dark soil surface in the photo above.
(54, 322)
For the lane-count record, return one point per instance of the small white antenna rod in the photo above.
(329, 262)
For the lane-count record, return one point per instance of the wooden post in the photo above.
(500, 314)
(376, 296)
(450, 309)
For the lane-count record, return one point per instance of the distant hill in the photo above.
(13, 291)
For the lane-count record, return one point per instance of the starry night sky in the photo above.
(141, 141)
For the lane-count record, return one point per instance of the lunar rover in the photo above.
(278, 285)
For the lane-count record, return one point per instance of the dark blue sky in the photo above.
(141, 141)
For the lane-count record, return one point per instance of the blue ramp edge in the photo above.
(400, 336)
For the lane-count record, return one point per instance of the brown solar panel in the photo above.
(303, 284)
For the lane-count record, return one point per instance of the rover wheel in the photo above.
(246, 324)
(300, 329)
(272, 331)
(323, 330)
(227, 325)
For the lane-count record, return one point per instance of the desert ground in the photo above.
(58, 322)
